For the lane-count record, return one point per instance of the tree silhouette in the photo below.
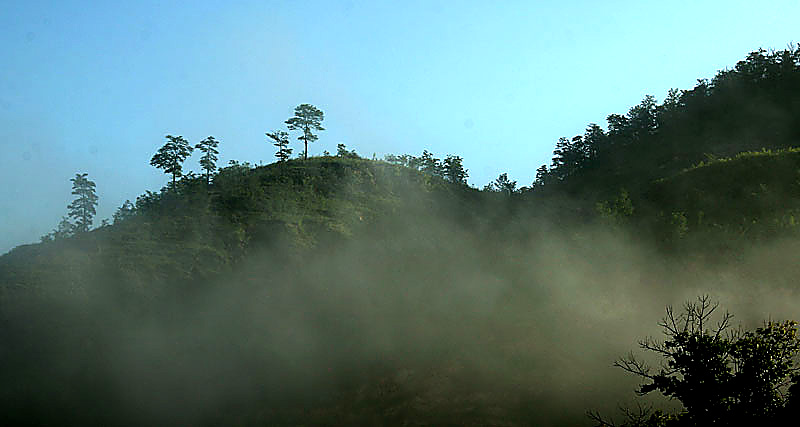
(209, 160)
(542, 177)
(429, 164)
(82, 209)
(281, 139)
(170, 156)
(124, 212)
(721, 376)
(341, 151)
(307, 118)
(454, 170)
(503, 185)
(63, 230)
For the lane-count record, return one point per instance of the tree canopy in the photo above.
(171, 156)
(307, 118)
(281, 140)
(721, 376)
(209, 160)
(82, 209)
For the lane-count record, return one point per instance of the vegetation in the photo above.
(82, 210)
(734, 112)
(307, 118)
(208, 162)
(451, 169)
(380, 291)
(281, 139)
(720, 376)
(171, 156)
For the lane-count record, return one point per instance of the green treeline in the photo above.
(751, 107)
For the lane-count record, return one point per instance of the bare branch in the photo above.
(653, 345)
(601, 422)
(639, 417)
(723, 324)
(634, 366)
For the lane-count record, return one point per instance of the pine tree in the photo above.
(503, 185)
(281, 139)
(171, 155)
(63, 230)
(454, 170)
(124, 212)
(307, 118)
(209, 160)
(82, 209)
(430, 164)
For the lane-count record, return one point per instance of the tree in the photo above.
(209, 160)
(429, 164)
(454, 170)
(403, 160)
(281, 139)
(307, 118)
(642, 118)
(82, 209)
(617, 211)
(594, 141)
(542, 177)
(341, 151)
(63, 230)
(721, 376)
(170, 156)
(124, 212)
(503, 185)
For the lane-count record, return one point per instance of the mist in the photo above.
(417, 316)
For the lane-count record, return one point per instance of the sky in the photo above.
(94, 87)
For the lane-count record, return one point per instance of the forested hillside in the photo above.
(750, 107)
(338, 290)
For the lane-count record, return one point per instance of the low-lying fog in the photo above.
(419, 323)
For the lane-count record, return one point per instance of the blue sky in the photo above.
(94, 86)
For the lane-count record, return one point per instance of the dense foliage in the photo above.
(170, 156)
(753, 106)
(720, 376)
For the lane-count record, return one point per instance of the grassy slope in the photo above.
(747, 197)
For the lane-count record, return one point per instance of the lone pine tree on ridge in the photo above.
(82, 209)
(307, 118)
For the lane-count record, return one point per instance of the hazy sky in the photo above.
(94, 86)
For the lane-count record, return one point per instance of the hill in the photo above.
(273, 289)
(341, 290)
(753, 106)
(192, 232)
